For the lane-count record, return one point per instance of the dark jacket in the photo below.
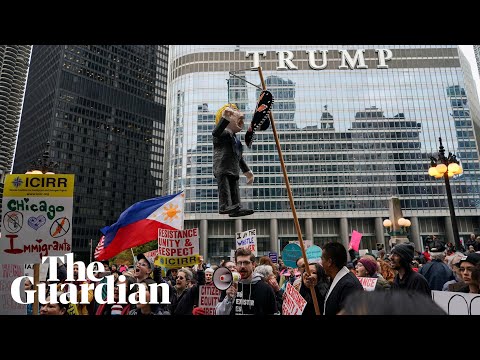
(437, 273)
(227, 152)
(346, 286)
(189, 298)
(307, 295)
(412, 281)
(253, 298)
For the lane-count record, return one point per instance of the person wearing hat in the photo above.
(366, 267)
(467, 265)
(144, 268)
(436, 271)
(406, 279)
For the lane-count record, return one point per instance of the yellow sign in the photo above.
(178, 262)
(38, 185)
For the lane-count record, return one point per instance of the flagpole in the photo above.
(133, 256)
(290, 196)
(91, 249)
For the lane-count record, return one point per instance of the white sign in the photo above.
(178, 248)
(293, 302)
(8, 273)
(247, 239)
(37, 217)
(368, 283)
(456, 303)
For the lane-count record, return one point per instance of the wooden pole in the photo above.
(36, 280)
(290, 197)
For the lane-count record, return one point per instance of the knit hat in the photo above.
(369, 265)
(209, 270)
(406, 251)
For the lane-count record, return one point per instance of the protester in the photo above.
(253, 297)
(406, 278)
(390, 303)
(116, 308)
(343, 282)
(367, 267)
(467, 265)
(29, 286)
(187, 299)
(265, 260)
(209, 276)
(436, 271)
(147, 308)
(82, 309)
(53, 309)
(317, 280)
(457, 283)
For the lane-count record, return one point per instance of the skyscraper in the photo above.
(13, 74)
(357, 125)
(476, 50)
(102, 107)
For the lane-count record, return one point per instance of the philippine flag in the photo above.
(139, 224)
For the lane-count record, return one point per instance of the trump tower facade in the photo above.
(357, 125)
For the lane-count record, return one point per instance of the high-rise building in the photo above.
(102, 107)
(357, 125)
(13, 75)
(476, 50)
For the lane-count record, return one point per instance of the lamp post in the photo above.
(403, 224)
(42, 165)
(447, 167)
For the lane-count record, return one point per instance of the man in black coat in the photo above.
(407, 279)
(343, 282)
(228, 160)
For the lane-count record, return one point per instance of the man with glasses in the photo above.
(253, 295)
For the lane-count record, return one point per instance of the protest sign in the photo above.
(293, 303)
(247, 239)
(208, 297)
(178, 248)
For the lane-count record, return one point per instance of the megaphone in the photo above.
(224, 278)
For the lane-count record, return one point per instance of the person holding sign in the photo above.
(318, 279)
(368, 268)
(253, 296)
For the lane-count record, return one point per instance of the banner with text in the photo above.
(293, 302)
(8, 306)
(368, 283)
(178, 248)
(247, 239)
(208, 297)
(37, 217)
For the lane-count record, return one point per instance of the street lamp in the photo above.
(43, 165)
(447, 167)
(403, 230)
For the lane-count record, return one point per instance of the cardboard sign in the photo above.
(368, 283)
(247, 239)
(36, 217)
(178, 248)
(293, 303)
(456, 303)
(208, 297)
(8, 273)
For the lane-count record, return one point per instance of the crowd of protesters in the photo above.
(404, 281)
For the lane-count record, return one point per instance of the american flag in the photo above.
(99, 247)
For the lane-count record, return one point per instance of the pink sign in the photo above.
(355, 240)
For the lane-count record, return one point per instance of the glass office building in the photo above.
(357, 125)
(102, 107)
